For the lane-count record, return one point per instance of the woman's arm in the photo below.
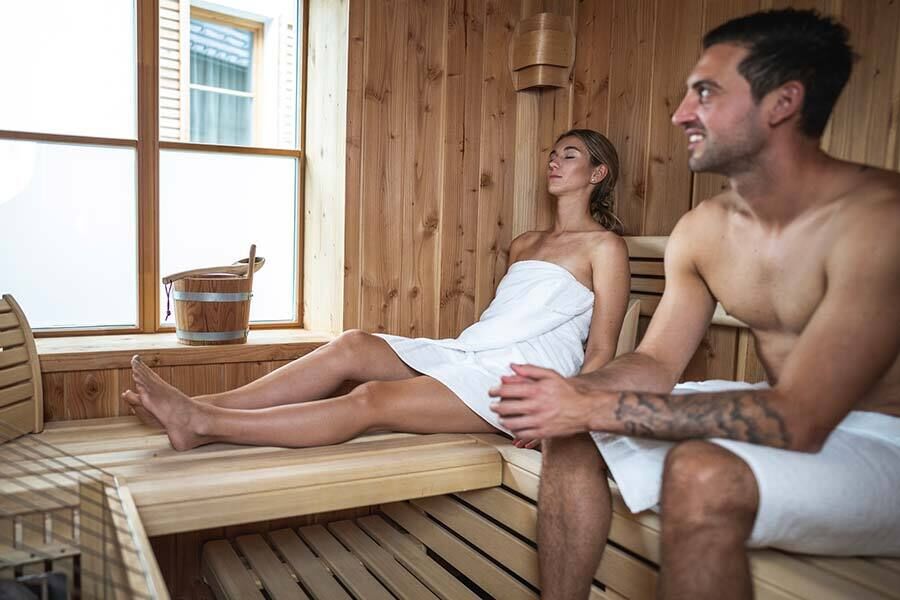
(612, 282)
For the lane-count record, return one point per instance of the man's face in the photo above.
(718, 114)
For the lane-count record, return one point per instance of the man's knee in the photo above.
(703, 482)
(571, 452)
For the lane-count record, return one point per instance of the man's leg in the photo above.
(709, 504)
(574, 513)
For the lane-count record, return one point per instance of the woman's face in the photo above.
(569, 168)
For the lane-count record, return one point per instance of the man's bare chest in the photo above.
(774, 292)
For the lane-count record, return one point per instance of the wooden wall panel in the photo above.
(424, 99)
(716, 12)
(677, 36)
(590, 85)
(472, 152)
(631, 52)
(860, 131)
(498, 135)
(458, 225)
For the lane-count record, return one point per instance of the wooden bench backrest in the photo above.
(628, 334)
(648, 277)
(21, 398)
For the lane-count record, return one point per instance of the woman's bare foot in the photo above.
(182, 418)
(134, 402)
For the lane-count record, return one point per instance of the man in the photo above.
(805, 250)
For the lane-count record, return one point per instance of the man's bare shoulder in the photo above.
(870, 203)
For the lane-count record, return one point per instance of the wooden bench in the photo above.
(481, 543)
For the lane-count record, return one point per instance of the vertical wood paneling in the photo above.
(54, 387)
(356, 82)
(632, 50)
(425, 77)
(893, 152)
(716, 356)
(91, 394)
(485, 162)
(669, 180)
(859, 132)
(462, 145)
(590, 89)
(382, 165)
(716, 12)
(196, 380)
(495, 209)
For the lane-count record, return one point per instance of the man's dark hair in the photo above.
(792, 45)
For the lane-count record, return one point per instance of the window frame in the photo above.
(147, 147)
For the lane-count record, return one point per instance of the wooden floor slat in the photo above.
(343, 564)
(226, 574)
(307, 566)
(518, 557)
(473, 565)
(414, 558)
(266, 564)
(380, 562)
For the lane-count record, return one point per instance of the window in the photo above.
(106, 197)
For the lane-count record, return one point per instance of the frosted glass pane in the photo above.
(213, 206)
(68, 252)
(230, 74)
(69, 67)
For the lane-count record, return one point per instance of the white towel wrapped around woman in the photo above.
(540, 315)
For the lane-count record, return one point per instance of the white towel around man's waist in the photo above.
(842, 500)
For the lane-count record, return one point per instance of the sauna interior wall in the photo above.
(445, 161)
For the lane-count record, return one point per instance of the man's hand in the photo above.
(538, 403)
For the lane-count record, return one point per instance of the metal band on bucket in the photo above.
(210, 336)
(211, 296)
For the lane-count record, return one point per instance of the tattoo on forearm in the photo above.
(746, 416)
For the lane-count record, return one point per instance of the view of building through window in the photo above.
(221, 83)
(229, 75)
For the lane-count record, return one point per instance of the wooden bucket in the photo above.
(212, 305)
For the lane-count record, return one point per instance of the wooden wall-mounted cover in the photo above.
(21, 396)
(542, 52)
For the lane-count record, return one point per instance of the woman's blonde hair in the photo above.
(601, 152)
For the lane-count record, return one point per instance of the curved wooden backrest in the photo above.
(21, 396)
(628, 334)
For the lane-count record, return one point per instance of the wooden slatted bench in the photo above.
(480, 543)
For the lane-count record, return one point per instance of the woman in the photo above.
(564, 286)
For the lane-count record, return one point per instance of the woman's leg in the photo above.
(355, 356)
(416, 405)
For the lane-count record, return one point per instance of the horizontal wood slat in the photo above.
(16, 393)
(13, 356)
(275, 578)
(414, 558)
(11, 338)
(379, 561)
(162, 349)
(8, 321)
(343, 564)
(308, 568)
